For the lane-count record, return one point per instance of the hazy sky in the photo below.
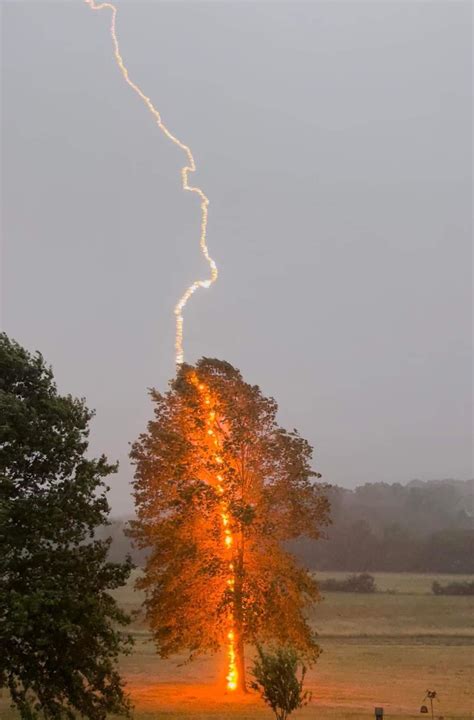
(334, 142)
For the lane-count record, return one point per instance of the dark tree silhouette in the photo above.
(58, 624)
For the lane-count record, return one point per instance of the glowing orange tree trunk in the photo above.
(219, 489)
(234, 678)
(239, 622)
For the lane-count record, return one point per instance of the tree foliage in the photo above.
(58, 624)
(271, 497)
(276, 679)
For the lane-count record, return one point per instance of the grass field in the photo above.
(384, 649)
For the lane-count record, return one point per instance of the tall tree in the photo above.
(219, 489)
(59, 636)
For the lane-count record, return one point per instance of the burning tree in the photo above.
(219, 489)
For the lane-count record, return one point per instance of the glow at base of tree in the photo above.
(189, 167)
(232, 673)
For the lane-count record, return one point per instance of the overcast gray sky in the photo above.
(334, 142)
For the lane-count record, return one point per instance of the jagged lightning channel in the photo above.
(188, 168)
(232, 676)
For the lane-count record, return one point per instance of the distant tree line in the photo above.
(419, 527)
(358, 548)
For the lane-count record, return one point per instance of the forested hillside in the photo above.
(418, 527)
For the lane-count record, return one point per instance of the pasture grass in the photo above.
(382, 649)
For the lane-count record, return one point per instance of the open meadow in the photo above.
(384, 649)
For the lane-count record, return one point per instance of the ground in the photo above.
(385, 649)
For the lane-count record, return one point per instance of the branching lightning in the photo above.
(188, 168)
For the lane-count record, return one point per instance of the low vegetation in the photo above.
(453, 588)
(363, 583)
(276, 679)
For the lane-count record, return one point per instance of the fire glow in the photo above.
(212, 434)
(188, 168)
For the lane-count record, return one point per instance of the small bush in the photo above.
(363, 583)
(276, 679)
(454, 588)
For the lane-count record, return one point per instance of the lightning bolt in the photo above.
(189, 167)
(232, 676)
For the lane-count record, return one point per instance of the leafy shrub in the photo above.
(276, 679)
(454, 588)
(362, 583)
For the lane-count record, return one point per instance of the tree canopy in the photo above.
(220, 488)
(59, 636)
